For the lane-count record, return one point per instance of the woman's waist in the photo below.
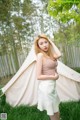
(49, 72)
(48, 81)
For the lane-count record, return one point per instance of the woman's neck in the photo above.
(45, 53)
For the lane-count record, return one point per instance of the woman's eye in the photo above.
(45, 41)
(41, 43)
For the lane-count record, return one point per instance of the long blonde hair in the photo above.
(38, 50)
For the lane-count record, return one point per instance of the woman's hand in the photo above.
(54, 77)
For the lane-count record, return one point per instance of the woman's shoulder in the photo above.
(40, 55)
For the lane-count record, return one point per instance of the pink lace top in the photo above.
(49, 67)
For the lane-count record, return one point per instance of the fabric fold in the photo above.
(22, 88)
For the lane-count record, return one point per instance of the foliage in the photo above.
(20, 21)
(68, 39)
(68, 35)
(5, 6)
(14, 27)
(68, 111)
(65, 10)
(77, 69)
(22, 112)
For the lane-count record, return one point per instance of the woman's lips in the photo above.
(45, 48)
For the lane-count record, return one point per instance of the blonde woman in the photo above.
(47, 75)
(35, 81)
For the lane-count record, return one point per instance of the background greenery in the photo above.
(20, 22)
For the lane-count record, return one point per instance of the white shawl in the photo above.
(22, 88)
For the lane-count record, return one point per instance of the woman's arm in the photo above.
(40, 76)
(57, 51)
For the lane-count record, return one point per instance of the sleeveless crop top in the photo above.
(49, 66)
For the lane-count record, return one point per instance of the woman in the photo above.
(25, 85)
(47, 75)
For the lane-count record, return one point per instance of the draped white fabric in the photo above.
(22, 88)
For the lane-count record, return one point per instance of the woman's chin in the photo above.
(45, 50)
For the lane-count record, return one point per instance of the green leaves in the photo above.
(5, 6)
(64, 10)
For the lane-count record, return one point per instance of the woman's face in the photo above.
(43, 44)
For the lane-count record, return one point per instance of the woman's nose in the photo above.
(44, 44)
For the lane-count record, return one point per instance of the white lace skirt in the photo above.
(47, 97)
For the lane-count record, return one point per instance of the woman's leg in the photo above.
(55, 116)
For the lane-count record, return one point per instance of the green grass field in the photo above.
(21, 112)
(68, 111)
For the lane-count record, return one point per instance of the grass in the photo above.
(68, 111)
(21, 112)
(77, 69)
